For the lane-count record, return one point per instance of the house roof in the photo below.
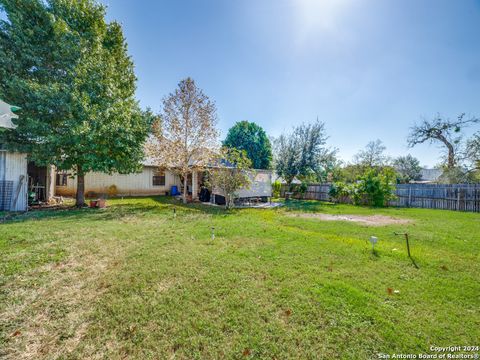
(430, 175)
(276, 177)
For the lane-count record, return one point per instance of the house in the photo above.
(429, 176)
(277, 178)
(21, 180)
(13, 168)
(152, 181)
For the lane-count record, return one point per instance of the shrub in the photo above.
(299, 189)
(340, 191)
(112, 191)
(302, 189)
(375, 189)
(276, 188)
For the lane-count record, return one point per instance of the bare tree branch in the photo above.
(185, 136)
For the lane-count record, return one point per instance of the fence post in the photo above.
(409, 196)
(458, 199)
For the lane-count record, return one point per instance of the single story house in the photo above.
(21, 179)
(429, 176)
(152, 181)
(277, 178)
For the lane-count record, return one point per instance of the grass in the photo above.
(133, 281)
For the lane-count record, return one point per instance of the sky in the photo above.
(368, 68)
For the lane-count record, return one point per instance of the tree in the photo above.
(252, 138)
(444, 131)
(303, 153)
(287, 155)
(372, 156)
(472, 154)
(185, 136)
(70, 73)
(231, 172)
(408, 168)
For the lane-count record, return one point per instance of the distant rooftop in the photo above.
(430, 175)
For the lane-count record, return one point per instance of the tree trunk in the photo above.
(289, 184)
(80, 196)
(185, 190)
(451, 157)
(451, 152)
(228, 201)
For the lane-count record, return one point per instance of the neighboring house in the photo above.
(13, 168)
(276, 177)
(429, 176)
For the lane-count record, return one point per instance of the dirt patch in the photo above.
(371, 220)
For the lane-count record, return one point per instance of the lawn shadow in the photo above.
(118, 208)
(306, 205)
(193, 206)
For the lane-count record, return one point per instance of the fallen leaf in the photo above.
(288, 312)
(389, 291)
(246, 352)
(16, 333)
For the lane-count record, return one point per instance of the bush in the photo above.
(112, 191)
(276, 188)
(375, 189)
(340, 191)
(299, 189)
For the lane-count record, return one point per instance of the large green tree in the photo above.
(251, 138)
(69, 71)
(408, 168)
(303, 154)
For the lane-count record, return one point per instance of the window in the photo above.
(62, 179)
(158, 179)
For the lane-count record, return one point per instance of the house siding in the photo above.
(137, 184)
(13, 168)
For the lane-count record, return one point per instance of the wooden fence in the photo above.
(314, 192)
(460, 197)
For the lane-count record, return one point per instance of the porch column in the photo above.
(50, 185)
(194, 185)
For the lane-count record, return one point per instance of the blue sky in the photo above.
(367, 68)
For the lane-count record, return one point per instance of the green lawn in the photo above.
(133, 281)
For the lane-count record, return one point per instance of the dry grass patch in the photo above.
(370, 220)
(48, 308)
